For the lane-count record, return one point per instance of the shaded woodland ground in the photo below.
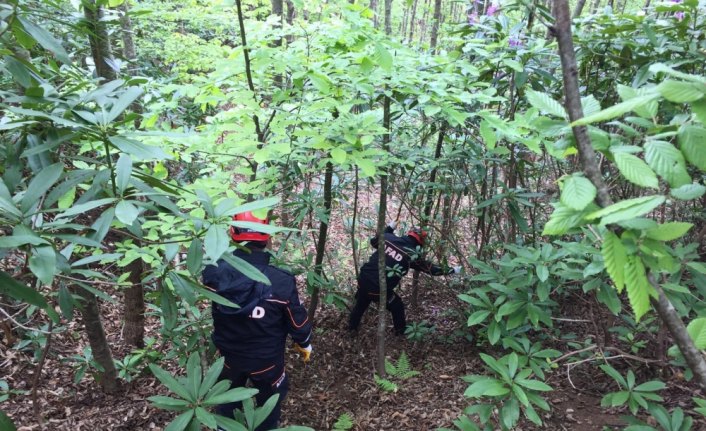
(339, 379)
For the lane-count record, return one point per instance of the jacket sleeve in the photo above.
(298, 323)
(429, 268)
(374, 240)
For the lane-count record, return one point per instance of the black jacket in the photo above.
(401, 254)
(259, 328)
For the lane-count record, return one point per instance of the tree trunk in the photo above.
(99, 344)
(595, 5)
(129, 52)
(388, 17)
(134, 301)
(412, 16)
(374, 8)
(382, 268)
(290, 12)
(99, 40)
(355, 212)
(435, 25)
(664, 308)
(321, 244)
(579, 8)
(428, 205)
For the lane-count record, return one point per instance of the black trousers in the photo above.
(267, 376)
(365, 295)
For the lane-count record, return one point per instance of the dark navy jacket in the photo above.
(259, 328)
(401, 254)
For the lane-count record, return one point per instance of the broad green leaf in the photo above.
(697, 330)
(688, 192)
(126, 212)
(637, 286)
(102, 225)
(216, 242)
(206, 418)
(42, 262)
(577, 192)
(11, 287)
(663, 68)
(49, 42)
(510, 413)
(564, 218)
(255, 206)
(486, 388)
(138, 149)
(477, 317)
(171, 383)
(590, 105)
(211, 377)
(635, 170)
(692, 142)
(126, 98)
(169, 403)
(232, 396)
(615, 258)
(542, 272)
(698, 267)
(667, 162)
(699, 109)
(488, 134)
(194, 374)
(338, 156)
(627, 209)
(182, 288)
(680, 91)
(42, 182)
(17, 240)
(651, 386)
(85, 207)
(66, 302)
(383, 57)
(67, 199)
(545, 103)
(6, 424)
(534, 385)
(181, 422)
(616, 110)
(668, 231)
(123, 171)
(194, 257)
(320, 81)
(246, 268)
(366, 166)
(647, 110)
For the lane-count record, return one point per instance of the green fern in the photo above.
(403, 370)
(344, 423)
(385, 384)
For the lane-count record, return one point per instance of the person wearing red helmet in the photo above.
(401, 254)
(252, 337)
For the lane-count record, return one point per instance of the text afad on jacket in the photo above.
(257, 313)
(393, 253)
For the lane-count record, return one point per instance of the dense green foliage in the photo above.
(148, 168)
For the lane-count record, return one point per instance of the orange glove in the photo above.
(305, 351)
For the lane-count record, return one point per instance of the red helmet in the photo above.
(246, 234)
(418, 234)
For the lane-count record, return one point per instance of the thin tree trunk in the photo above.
(595, 5)
(355, 212)
(374, 8)
(134, 301)
(664, 307)
(428, 205)
(321, 245)
(403, 23)
(291, 10)
(435, 25)
(388, 17)
(579, 8)
(382, 268)
(99, 344)
(411, 20)
(99, 40)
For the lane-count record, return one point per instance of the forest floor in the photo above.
(340, 377)
(338, 380)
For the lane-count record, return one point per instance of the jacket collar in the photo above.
(254, 257)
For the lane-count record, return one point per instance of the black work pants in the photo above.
(267, 376)
(367, 294)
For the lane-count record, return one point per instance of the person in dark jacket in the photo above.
(401, 254)
(252, 338)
